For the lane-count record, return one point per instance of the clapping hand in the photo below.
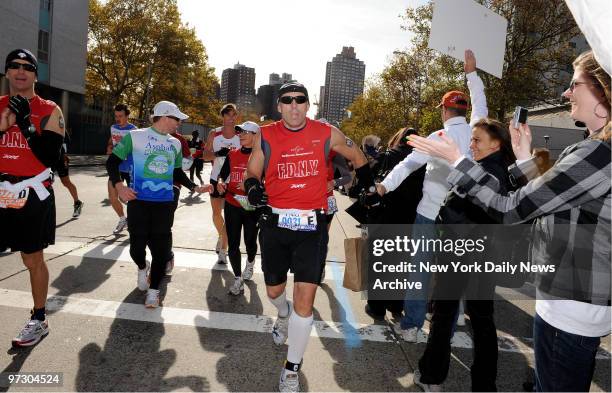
(442, 147)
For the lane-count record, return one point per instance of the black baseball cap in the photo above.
(21, 54)
(294, 87)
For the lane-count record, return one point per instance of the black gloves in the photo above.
(20, 106)
(223, 152)
(365, 180)
(255, 192)
(370, 198)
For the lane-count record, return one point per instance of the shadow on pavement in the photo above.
(131, 359)
(380, 365)
(19, 358)
(91, 272)
(251, 361)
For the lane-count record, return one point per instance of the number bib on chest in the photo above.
(298, 221)
(10, 200)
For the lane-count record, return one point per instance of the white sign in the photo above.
(458, 25)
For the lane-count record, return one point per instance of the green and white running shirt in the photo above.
(154, 156)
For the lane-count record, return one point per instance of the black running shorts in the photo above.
(198, 164)
(61, 167)
(31, 228)
(284, 250)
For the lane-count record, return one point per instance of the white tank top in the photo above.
(219, 142)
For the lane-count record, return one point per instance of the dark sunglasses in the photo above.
(238, 132)
(288, 99)
(13, 65)
(174, 118)
(574, 83)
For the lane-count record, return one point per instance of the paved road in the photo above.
(103, 339)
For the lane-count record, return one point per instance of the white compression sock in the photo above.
(299, 333)
(281, 304)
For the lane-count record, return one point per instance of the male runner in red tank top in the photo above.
(31, 136)
(290, 156)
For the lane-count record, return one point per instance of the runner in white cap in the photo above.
(238, 211)
(157, 161)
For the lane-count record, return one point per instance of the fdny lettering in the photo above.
(237, 177)
(13, 139)
(302, 168)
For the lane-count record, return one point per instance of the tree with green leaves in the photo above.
(139, 52)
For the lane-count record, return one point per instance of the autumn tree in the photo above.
(139, 52)
(537, 55)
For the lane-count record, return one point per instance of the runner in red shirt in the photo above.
(291, 156)
(31, 136)
(238, 212)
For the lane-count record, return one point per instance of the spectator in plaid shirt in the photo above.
(571, 203)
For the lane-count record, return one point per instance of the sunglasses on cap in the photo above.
(288, 99)
(241, 131)
(13, 65)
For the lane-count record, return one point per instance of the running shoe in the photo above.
(289, 381)
(247, 274)
(169, 266)
(237, 287)
(152, 299)
(410, 335)
(222, 258)
(425, 386)
(32, 333)
(121, 225)
(143, 278)
(281, 327)
(78, 206)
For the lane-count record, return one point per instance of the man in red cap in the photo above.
(454, 106)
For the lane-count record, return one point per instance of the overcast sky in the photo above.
(296, 37)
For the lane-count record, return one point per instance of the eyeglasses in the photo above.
(289, 99)
(13, 65)
(241, 131)
(174, 118)
(574, 83)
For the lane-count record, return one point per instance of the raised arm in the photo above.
(476, 87)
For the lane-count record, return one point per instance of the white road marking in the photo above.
(186, 317)
(187, 259)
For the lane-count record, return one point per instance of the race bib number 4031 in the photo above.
(10, 200)
(298, 221)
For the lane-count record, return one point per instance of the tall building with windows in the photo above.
(344, 79)
(238, 86)
(268, 94)
(56, 32)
